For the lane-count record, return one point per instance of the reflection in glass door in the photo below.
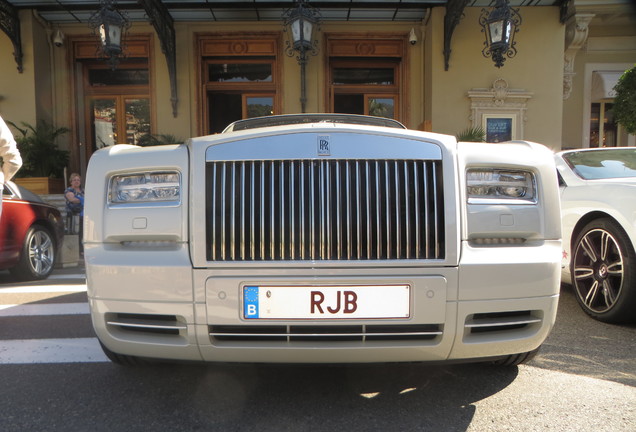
(381, 106)
(258, 106)
(103, 122)
(118, 120)
(137, 112)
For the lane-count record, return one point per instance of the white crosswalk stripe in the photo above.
(70, 276)
(44, 309)
(43, 289)
(53, 350)
(28, 351)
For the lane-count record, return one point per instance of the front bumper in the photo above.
(497, 302)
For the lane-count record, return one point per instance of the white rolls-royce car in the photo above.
(598, 198)
(323, 239)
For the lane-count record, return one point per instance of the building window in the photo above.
(365, 75)
(117, 103)
(118, 119)
(238, 89)
(239, 78)
(604, 131)
(112, 106)
(365, 87)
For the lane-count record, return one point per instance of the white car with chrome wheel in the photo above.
(598, 202)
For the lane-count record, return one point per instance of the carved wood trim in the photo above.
(365, 47)
(90, 49)
(239, 46)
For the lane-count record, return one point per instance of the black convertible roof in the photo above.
(290, 119)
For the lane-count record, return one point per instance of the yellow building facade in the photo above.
(554, 91)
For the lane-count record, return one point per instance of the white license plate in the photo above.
(326, 302)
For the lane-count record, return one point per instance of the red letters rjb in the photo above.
(345, 299)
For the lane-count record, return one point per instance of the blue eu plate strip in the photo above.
(250, 302)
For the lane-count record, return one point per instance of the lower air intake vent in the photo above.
(348, 333)
(501, 321)
(141, 323)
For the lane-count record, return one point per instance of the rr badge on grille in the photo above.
(324, 145)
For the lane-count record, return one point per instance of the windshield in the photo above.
(603, 164)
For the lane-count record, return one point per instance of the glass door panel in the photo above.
(223, 109)
(595, 121)
(137, 119)
(259, 106)
(348, 103)
(381, 107)
(604, 131)
(610, 127)
(103, 122)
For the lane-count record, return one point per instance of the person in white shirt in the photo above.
(9, 155)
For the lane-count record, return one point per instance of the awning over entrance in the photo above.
(72, 11)
(603, 83)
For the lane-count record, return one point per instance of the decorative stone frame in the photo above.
(499, 101)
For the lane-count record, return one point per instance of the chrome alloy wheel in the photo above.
(598, 270)
(41, 250)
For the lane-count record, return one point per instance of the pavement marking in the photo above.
(36, 351)
(44, 289)
(44, 309)
(67, 276)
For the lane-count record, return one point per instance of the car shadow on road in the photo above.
(311, 398)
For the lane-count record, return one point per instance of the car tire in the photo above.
(517, 359)
(122, 359)
(603, 269)
(38, 255)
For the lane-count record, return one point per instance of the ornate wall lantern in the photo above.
(500, 25)
(301, 22)
(110, 25)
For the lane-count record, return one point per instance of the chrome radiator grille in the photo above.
(324, 210)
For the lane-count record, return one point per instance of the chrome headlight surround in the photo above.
(161, 187)
(510, 186)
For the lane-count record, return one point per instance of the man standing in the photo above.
(9, 155)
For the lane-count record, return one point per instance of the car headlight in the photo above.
(499, 184)
(145, 187)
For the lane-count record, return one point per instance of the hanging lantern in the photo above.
(110, 25)
(500, 26)
(300, 22)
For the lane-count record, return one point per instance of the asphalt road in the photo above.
(583, 380)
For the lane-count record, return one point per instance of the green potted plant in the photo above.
(159, 139)
(472, 134)
(43, 162)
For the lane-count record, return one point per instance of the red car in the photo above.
(31, 234)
